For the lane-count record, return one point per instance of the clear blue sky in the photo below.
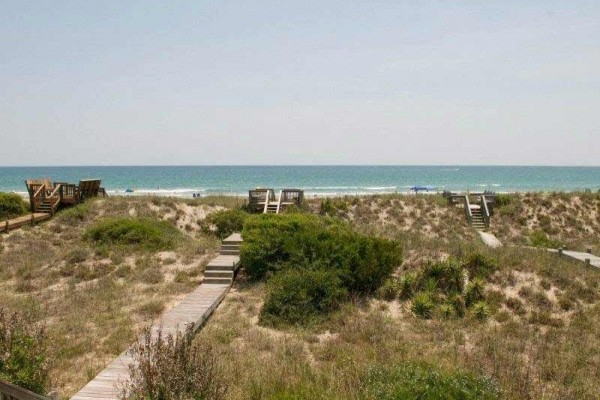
(303, 82)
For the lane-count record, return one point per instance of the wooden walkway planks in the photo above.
(578, 255)
(195, 308)
(24, 220)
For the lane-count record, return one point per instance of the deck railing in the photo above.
(8, 391)
(267, 199)
(468, 209)
(279, 201)
(485, 211)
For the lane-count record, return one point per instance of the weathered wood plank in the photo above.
(194, 309)
(18, 222)
(12, 391)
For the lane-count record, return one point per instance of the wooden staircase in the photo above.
(44, 206)
(272, 206)
(478, 215)
(477, 220)
(222, 269)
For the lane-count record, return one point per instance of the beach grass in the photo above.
(536, 336)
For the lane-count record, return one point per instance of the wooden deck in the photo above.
(194, 309)
(18, 222)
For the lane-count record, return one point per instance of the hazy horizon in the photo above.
(309, 83)
(300, 165)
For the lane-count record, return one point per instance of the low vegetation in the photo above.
(225, 222)
(92, 296)
(135, 233)
(173, 367)
(418, 381)
(300, 241)
(24, 359)
(313, 263)
(370, 297)
(301, 296)
(12, 205)
(549, 219)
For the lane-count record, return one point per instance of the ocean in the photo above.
(185, 181)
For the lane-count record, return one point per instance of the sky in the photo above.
(299, 82)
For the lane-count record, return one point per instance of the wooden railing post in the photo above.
(32, 220)
(485, 211)
(468, 209)
(267, 199)
(6, 227)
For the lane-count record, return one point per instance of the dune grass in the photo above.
(94, 296)
(536, 335)
(539, 350)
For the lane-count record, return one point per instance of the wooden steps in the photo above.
(477, 220)
(221, 270)
(272, 208)
(194, 309)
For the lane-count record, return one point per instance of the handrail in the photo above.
(468, 209)
(37, 192)
(11, 391)
(485, 211)
(267, 197)
(279, 202)
(55, 189)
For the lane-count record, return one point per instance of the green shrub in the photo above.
(73, 215)
(23, 352)
(480, 265)
(447, 311)
(298, 296)
(481, 310)
(407, 285)
(389, 290)
(136, 233)
(424, 382)
(459, 304)
(503, 200)
(474, 292)
(333, 207)
(422, 305)
(12, 205)
(276, 242)
(225, 222)
(447, 275)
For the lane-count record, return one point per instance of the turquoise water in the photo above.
(323, 180)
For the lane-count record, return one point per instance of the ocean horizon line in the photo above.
(304, 165)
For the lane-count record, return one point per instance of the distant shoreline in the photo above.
(149, 194)
(314, 180)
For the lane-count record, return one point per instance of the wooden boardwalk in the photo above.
(18, 222)
(578, 255)
(194, 309)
